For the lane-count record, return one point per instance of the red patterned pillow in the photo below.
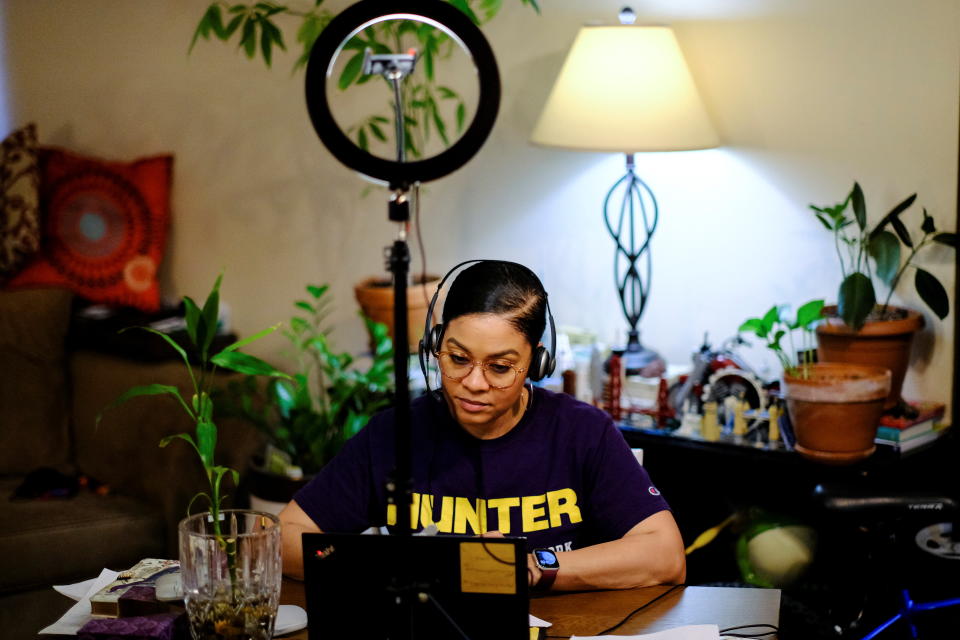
(104, 227)
(19, 200)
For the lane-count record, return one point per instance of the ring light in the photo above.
(435, 13)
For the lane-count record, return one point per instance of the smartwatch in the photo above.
(546, 560)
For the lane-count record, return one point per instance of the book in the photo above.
(899, 435)
(133, 593)
(915, 442)
(914, 413)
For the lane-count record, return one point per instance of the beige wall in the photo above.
(808, 95)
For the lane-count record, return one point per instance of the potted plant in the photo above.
(375, 296)
(834, 407)
(229, 558)
(308, 416)
(858, 329)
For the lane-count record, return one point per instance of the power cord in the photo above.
(774, 630)
(632, 613)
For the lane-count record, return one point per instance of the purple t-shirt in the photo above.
(564, 477)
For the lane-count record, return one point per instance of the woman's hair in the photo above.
(505, 288)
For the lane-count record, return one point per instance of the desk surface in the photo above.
(586, 613)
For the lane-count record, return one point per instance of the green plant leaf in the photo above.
(211, 312)
(946, 238)
(179, 436)
(245, 363)
(753, 325)
(248, 37)
(192, 318)
(932, 293)
(362, 141)
(809, 313)
(315, 291)
(461, 116)
(856, 299)
(929, 224)
(824, 222)
(902, 232)
(377, 132)
(770, 318)
(465, 7)
(350, 71)
(206, 442)
(884, 248)
(859, 207)
(170, 341)
(145, 390)
(242, 343)
(893, 218)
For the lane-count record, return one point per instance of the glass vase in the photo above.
(231, 573)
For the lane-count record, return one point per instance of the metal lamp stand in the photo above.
(632, 264)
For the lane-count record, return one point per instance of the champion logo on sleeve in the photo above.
(653, 490)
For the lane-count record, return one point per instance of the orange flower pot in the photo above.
(375, 296)
(835, 411)
(885, 344)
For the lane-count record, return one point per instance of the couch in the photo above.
(49, 398)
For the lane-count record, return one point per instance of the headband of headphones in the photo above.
(542, 364)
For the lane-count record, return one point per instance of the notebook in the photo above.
(467, 587)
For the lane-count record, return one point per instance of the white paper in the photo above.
(537, 622)
(688, 632)
(79, 614)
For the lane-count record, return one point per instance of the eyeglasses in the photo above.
(498, 374)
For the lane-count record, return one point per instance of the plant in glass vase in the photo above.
(834, 407)
(230, 559)
(858, 329)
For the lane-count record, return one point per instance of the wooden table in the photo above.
(589, 612)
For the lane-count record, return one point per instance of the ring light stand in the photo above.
(400, 176)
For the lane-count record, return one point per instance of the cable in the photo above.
(774, 630)
(634, 612)
(423, 252)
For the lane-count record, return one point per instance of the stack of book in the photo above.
(919, 425)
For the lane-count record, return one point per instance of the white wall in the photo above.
(808, 95)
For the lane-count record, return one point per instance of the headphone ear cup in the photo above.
(432, 340)
(539, 364)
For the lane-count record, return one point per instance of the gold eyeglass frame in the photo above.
(519, 371)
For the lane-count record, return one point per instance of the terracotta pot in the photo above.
(375, 296)
(883, 344)
(836, 410)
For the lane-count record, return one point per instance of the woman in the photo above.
(493, 456)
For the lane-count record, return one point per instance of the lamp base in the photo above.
(638, 360)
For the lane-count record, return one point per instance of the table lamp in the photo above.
(627, 88)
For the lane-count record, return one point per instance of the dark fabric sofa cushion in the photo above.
(33, 387)
(60, 541)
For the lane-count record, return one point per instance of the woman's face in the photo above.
(484, 411)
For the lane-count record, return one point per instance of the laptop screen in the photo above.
(459, 587)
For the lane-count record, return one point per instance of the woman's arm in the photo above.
(294, 522)
(650, 553)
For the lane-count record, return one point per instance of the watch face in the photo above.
(546, 559)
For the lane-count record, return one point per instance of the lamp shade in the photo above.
(625, 88)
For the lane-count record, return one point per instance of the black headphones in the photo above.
(541, 365)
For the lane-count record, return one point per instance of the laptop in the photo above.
(465, 587)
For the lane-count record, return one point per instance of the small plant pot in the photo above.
(271, 491)
(885, 344)
(375, 296)
(835, 411)
(231, 574)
